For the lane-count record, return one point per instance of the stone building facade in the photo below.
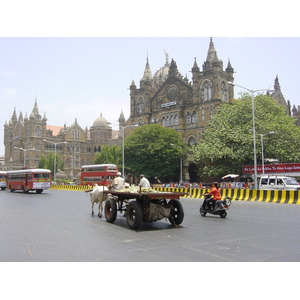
(74, 145)
(165, 98)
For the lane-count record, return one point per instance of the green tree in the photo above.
(48, 163)
(228, 143)
(154, 150)
(109, 155)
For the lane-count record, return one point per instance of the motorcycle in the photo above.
(221, 207)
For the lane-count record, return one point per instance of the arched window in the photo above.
(206, 90)
(224, 94)
(37, 131)
(140, 105)
(188, 118)
(176, 119)
(192, 141)
(37, 145)
(202, 114)
(194, 117)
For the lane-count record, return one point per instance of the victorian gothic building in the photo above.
(26, 139)
(165, 98)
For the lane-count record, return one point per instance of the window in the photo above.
(202, 114)
(38, 131)
(206, 90)
(140, 105)
(223, 92)
(75, 134)
(194, 117)
(188, 118)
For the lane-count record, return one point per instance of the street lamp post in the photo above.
(254, 129)
(123, 152)
(180, 162)
(55, 144)
(262, 150)
(24, 150)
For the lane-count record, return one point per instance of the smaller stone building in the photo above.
(26, 139)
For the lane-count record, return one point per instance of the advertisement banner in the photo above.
(279, 168)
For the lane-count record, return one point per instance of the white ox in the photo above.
(97, 196)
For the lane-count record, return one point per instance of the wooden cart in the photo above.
(144, 207)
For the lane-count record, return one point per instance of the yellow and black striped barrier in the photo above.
(68, 187)
(290, 197)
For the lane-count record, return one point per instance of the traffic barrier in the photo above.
(289, 197)
(67, 187)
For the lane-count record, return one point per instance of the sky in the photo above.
(81, 73)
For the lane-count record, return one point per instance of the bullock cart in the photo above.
(144, 207)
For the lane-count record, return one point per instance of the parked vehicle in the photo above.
(278, 182)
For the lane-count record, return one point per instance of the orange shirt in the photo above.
(216, 193)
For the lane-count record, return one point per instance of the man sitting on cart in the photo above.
(118, 182)
(144, 182)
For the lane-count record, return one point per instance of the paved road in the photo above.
(58, 226)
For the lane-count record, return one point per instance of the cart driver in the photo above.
(118, 182)
(144, 182)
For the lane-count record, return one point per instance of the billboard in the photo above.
(271, 169)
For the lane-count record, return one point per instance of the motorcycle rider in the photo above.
(216, 195)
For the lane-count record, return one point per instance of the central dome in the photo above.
(162, 74)
(101, 122)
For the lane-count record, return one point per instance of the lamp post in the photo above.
(123, 156)
(262, 150)
(254, 130)
(24, 150)
(180, 162)
(55, 144)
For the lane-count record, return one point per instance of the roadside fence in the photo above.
(290, 197)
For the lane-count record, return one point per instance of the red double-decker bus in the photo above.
(3, 176)
(102, 174)
(29, 180)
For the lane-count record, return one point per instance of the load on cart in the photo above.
(144, 205)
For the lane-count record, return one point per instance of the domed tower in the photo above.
(162, 74)
(100, 133)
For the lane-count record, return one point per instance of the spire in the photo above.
(121, 120)
(212, 53)
(35, 112)
(147, 73)
(276, 85)
(14, 118)
(20, 117)
(229, 68)
(195, 67)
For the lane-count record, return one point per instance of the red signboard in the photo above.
(280, 168)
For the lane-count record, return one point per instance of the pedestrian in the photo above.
(144, 182)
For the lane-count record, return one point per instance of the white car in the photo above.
(278, 182)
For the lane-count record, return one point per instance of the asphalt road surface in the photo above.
(57, 226)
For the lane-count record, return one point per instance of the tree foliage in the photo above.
(47, 162)
(109, 155)
(154, 150)
(228, 143)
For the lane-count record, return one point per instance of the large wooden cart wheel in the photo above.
(110, 210)
(134, 214)
(177, 213)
